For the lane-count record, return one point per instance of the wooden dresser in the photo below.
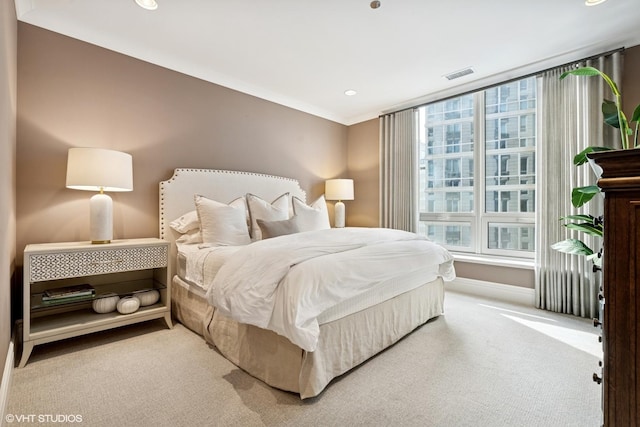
(621, 289)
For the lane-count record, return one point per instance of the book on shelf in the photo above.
(76, 291)
(67, 300)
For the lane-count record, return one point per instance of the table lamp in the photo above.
(97, 169)
(338, 189)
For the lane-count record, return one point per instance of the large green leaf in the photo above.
(610, 113)
(636, 118)
(587, 218)
(572, 246)
(584, 71)
(581, 195)
(623, 125)
(636, 114)
(581, 158)
(591, 71)
(590, 229)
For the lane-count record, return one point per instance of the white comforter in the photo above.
(284, 283)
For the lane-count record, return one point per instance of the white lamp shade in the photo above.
(98, 169)
(338, 189)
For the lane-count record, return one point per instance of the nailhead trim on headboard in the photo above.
(178, 171)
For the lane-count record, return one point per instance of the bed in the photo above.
(333, 337)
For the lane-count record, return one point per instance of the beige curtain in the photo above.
(399, 171)
(570, 119)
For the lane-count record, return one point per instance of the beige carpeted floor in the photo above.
(483, 363)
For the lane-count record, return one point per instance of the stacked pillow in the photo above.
(248, 219)
(222, 224)
(311, 217)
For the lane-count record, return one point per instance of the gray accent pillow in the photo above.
(278, 228)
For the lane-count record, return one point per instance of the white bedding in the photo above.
(201, 262)
(195, 262)
(383, 291)
(285, 283)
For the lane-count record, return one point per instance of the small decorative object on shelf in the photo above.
(128, 305)
(105, 303)
(147, 296)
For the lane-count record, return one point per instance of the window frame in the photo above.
(479, 219)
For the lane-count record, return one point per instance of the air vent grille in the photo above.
(459, 73)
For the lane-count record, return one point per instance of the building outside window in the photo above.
(478, 170)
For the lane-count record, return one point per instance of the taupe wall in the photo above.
(8, 64)
(364, 169)
(73, 94)
(630, 82)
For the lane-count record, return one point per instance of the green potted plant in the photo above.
(613, 116)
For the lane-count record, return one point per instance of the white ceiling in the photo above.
(304, 54)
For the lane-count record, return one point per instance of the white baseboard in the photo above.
(499, 291)
(6, 380)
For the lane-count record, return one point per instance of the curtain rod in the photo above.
(524, 76)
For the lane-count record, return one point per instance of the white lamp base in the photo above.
(101, 219)
(338, 220)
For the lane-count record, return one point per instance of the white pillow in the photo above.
(314, 217)
(191, 237)
(278, 210)
(186, 222)
(222, 224)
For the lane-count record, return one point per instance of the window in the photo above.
(478, 170)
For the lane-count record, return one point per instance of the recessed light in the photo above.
(593, 2)
(147, 4)
(350, 92)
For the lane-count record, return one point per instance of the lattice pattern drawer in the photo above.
(63, 265)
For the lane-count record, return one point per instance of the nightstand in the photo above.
(121, 267)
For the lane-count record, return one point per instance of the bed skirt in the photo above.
(343, 343)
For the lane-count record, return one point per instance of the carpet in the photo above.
(482, 363)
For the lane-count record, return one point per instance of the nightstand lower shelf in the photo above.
(76, 323)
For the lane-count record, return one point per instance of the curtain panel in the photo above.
(399, 171)
(570, 119)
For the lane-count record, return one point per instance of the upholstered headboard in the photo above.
(176, 194)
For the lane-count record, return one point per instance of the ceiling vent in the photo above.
(459, 73)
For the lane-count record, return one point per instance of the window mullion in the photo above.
(480, 235)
